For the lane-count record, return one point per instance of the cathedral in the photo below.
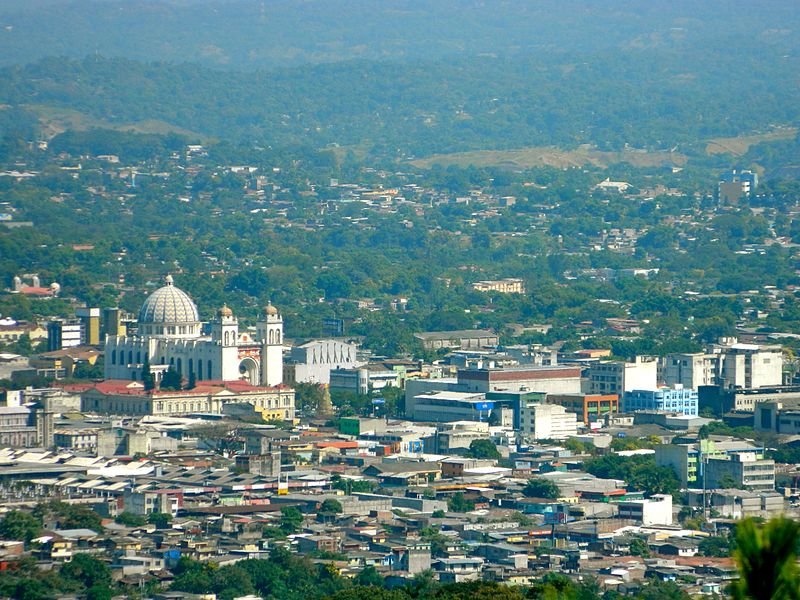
(170, 334)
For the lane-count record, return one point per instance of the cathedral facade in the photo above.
(170, 334)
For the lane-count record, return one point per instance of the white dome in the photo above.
(168, 305)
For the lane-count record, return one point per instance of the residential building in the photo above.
(618, 377)
(678, 400)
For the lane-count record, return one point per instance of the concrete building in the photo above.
(75, 439)
(442, 406)
(742, 470)
(17, 427)
(617, 377)
(547, 422)
(751, 366)
(688, 460)
(463, 339)
(64, 334)
(90, 325)
(130, 398)
(551, 380)
(510, 285)
(363, 380)
(590, 408)
(455, 436)
(690, 370)
(678, 400)
(740, 504)
(778, 416)
(312, 361)
(736, 185)
(113, 322)
(656, 510)
(727, 364)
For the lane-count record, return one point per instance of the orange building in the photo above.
(589, 407)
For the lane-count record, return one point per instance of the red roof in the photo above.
(36, 291)
(340, 445)
(133, 388)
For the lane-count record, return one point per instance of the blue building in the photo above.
(681, 401)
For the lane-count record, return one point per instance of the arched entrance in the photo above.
(248, 370)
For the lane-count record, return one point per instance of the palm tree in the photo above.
(766, 557)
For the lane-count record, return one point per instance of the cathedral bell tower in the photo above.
(225, 328)
(225, 333)
(269, 331)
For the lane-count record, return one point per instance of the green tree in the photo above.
(148, 379)
(539, 487)
(369, 576)
(160, 520)
(717, 546)
(231, 581)
(291, 519)
(87, 570)
(766, 556)
(458, 503)
(171, 380)
(130, 519)
(639, 547)
(483, 449)
(329, 509)
(19, 525)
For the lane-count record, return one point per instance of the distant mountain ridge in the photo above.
(249, 34)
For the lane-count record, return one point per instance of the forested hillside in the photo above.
(643, 98)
